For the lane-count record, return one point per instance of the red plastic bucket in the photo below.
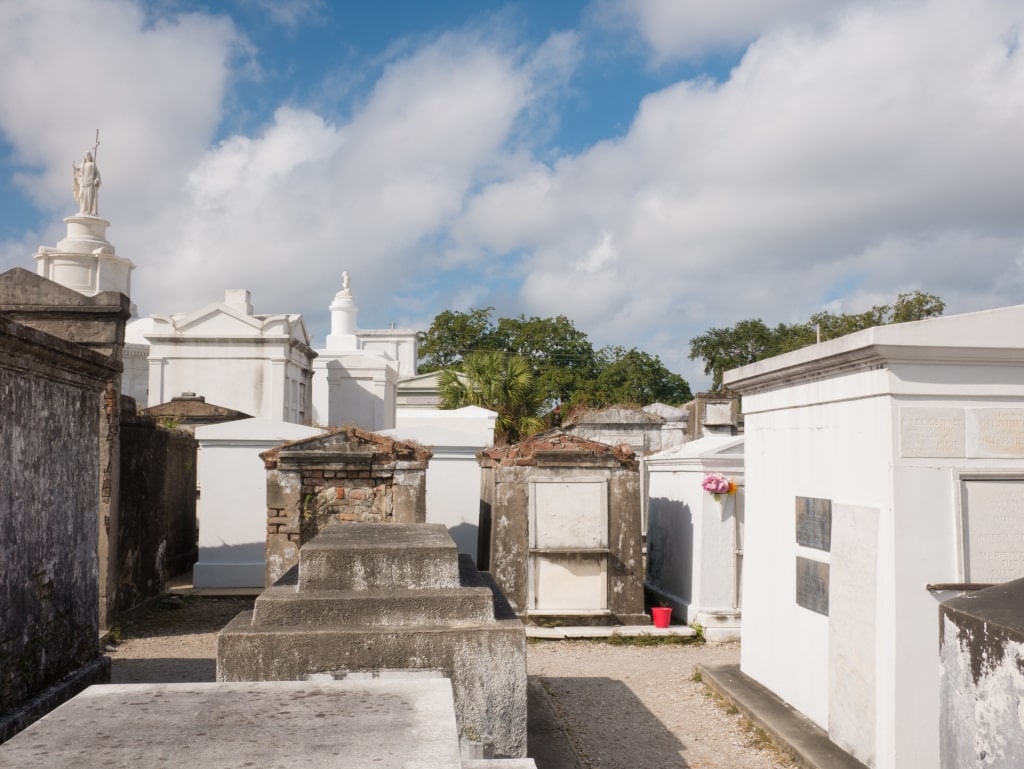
(661, 615)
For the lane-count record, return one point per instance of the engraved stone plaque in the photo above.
(814, 522)
(812, 585)
(718, 414)
(993, 530)
(931, 432)
(1000, 433)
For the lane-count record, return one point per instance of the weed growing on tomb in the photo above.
(646, 639)
(755, 736)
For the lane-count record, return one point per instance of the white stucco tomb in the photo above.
(355, 384)
(233, 499)
(257, 364)
(695, 542)
(877, 464)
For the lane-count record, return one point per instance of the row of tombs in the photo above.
(881, 487)
(556, 518)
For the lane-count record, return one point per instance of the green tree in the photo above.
(751, 340)
(746, 342)
(562, 359)
(452, 335)
(632, 377)
(561, 356)
(501, 382)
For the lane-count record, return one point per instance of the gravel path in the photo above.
(623, 707)
(639, 706)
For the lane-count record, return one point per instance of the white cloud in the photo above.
(153, 87)
(286, 211)
(290, 13)
(866, 156)
(850, 156)
(682, 29)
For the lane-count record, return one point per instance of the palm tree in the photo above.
(501, 382)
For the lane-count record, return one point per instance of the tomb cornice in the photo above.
(774, 373)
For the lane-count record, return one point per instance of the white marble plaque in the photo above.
(569, 515)
(999, 433)
(931, 432)
(993, 530)
(568, 582)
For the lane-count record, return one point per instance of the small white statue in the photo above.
(85, 183)
(345, 283)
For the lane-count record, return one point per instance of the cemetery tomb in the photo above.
(878, 464)
(567, 548)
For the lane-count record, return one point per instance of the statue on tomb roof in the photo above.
(346, 284)
(85, 183)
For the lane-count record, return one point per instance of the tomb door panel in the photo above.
(568, 559)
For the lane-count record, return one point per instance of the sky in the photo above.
(649, 168)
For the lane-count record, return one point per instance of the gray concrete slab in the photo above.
(805, 739)
(287, 725)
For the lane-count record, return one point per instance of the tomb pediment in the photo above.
(219, 320)
(352, 441)
(213, 320)
(558, 447)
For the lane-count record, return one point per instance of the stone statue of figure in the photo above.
(345, 283)
(86, 184)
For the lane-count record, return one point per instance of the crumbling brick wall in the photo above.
(348, 476)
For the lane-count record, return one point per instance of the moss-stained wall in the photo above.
(157, 525)
(49, 496)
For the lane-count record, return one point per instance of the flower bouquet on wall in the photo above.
(717, 485)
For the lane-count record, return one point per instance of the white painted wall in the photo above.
(399, 344)
(233, 499)
(454, 473)
(354, 388)
(470, 419)
(839, 421)
(692, 538)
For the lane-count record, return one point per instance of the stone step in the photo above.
(283, 605)
(369, 556)
(499, 763)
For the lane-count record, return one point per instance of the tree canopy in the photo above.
(752, 340)
(567, 369)
(631, 376)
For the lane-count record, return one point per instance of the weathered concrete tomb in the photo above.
(347, 475)
(372, 597)
(362, 724)
(560, 529)
(981, 648)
